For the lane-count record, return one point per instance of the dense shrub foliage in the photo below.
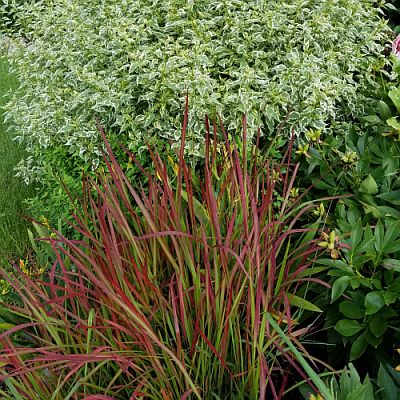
(132, 62)
(9, 11)
(13, 15)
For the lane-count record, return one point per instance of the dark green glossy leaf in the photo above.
(320, 184)
(355, 282)
(334, 263)
(374, 301)
(384, 110)
(373, 340)
(356, 234)
(315, 153)
(379, 236)
(391, 235)
(351, 309)
(354, 216)
(377, 325)
(338, 287)
(390, 297)
(358, 347)
(348, 327)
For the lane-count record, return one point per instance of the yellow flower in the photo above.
(320, 210)
(303, 150)
(330, 242)
(44, 221)
(174, 165)
(314, 135)
(350, 157)
(276, 177)
(23, 267)
(41, 270)
(313, 397)
(294, 192)
(4, 287)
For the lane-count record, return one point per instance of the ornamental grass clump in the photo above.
(184, 289)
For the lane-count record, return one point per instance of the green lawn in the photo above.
(14, 240)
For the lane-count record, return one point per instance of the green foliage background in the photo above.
(12, 15)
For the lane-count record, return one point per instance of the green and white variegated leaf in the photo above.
(131, 62)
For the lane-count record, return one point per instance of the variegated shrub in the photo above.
(132, 62)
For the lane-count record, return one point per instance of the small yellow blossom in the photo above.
(303, 150)
(276, 176)
(330, 242)
(313, 397)
(4, 287)
(314, 135)
(294, 192)
(41, 270)
(23, 267)
(174, 165)
(350, 157)
(44, 221)
(319, 211)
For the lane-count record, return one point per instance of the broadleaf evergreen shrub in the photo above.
(132, 62)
